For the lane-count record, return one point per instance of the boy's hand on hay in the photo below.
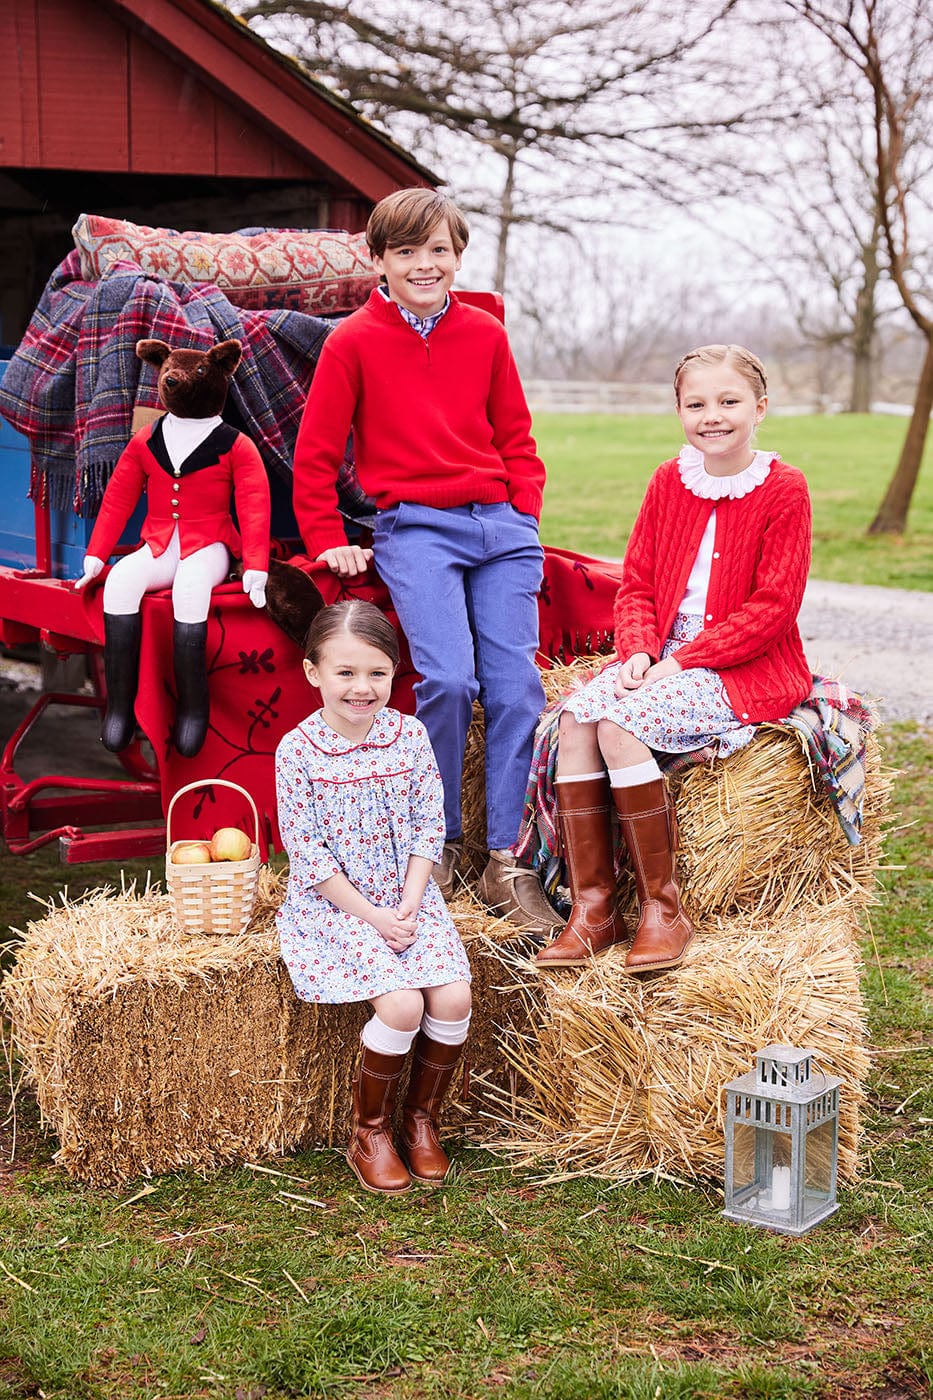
(631, 673)
(347, 560)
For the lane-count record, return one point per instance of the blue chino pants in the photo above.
(464, 582)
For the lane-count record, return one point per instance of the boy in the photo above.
(443, 443)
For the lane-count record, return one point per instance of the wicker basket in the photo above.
(216, 898)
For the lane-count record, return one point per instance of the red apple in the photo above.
(230, 843)
(191, 853)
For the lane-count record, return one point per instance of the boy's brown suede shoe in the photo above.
(514, 892)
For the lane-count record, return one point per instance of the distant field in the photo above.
(598, 466)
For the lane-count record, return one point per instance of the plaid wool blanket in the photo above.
(833, 724)
(74, 381)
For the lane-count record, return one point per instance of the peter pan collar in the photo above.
(693, 474)
(386, 728)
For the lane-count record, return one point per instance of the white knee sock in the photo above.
(445, 1032)
(635, 774)
(385, 1040)
(580, 777)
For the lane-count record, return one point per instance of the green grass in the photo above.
(599, 465)
(495, 1285)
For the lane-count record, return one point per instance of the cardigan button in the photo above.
(709, 617)
(745, 714)
(716, 554)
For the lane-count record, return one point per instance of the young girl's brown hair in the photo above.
(359, 619)
(745, 363)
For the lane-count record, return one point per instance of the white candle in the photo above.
(780, 1188)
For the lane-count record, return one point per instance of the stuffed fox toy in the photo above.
(188, 463)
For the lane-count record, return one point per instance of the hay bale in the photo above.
(623, 1076)
(758, 833)
(151, 1049)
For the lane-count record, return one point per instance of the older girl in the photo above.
(708, 647)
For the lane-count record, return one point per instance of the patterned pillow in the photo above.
(318, 271)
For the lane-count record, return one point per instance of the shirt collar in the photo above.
(424, 325)
(386, 728)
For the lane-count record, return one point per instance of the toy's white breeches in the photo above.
(191, 578)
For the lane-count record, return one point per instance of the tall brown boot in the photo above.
(431, 1072)
(371, 1153)
(595, 924)
(649, 828)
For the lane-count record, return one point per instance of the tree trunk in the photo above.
(860, 393)
(892, 513)
(505, 223)
(863, 328)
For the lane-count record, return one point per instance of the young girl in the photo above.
(708, 647)
(360, 812)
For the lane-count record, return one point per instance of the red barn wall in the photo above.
(94, 95)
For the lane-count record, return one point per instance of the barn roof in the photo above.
(114, 84)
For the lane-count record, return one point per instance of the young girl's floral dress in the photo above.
(361, 809)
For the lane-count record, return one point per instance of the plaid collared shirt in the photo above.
(424, 325)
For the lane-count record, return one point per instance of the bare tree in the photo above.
(887, 46)
(576, 104)
(825, 249)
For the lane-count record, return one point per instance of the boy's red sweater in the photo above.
(761, 558)
(440, 421)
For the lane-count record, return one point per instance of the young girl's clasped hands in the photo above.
(361, 815)
(708, 646)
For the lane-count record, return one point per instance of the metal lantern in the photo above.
(782, 1140)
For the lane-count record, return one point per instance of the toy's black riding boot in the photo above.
(192, 706)
(121, 674)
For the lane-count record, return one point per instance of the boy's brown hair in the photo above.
(408, 216)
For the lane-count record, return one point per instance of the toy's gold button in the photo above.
(174, 514)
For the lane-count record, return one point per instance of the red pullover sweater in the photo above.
(440, 421)
(761, 557)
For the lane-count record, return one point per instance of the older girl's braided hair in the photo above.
(748, 365)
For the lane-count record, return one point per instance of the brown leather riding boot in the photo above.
(649, 829)
(371, 1153)
(431, 1072)
(595, 924)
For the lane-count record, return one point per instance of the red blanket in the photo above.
(259, 692)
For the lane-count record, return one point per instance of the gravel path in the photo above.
(878, 640)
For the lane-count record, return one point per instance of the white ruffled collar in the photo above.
(693, 474)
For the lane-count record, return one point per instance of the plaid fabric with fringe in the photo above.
(833, 723)
(74, 381)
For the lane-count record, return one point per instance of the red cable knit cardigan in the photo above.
(761, 557)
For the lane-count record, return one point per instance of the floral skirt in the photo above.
(681, 713)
